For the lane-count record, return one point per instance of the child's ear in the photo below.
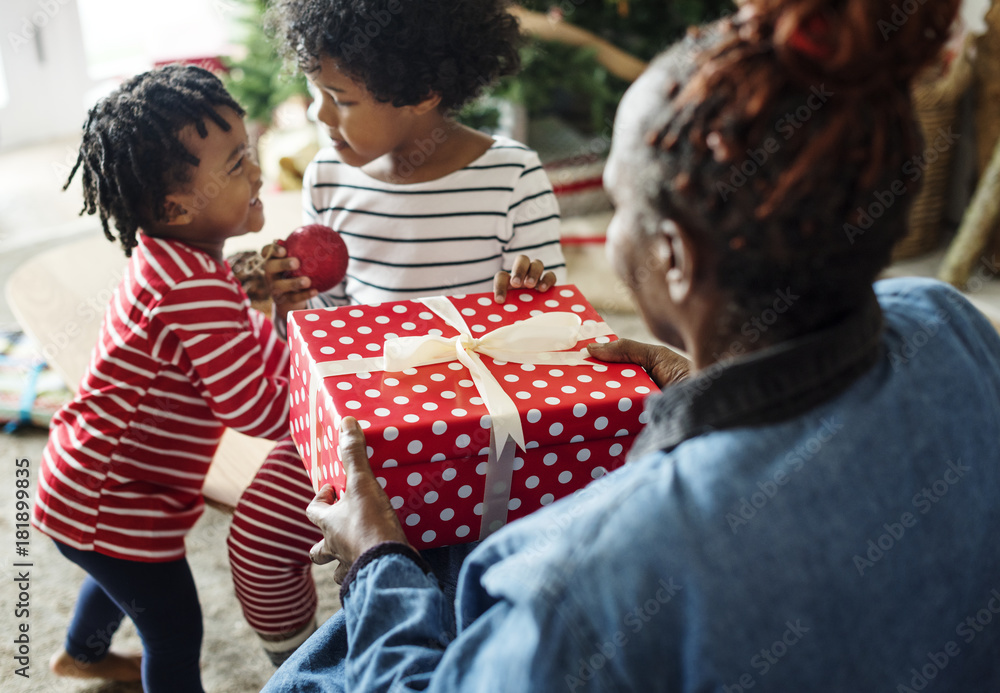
(428, 104)
(176, 210)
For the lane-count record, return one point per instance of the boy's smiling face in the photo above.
(221, 199)
(362, 128)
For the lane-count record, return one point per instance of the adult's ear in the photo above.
(680, 257)
(176, 210)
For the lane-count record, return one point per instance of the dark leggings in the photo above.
(162, 601)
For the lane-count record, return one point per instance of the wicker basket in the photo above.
(986, 88)
(935, 96)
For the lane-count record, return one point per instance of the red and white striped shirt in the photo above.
(181, 356)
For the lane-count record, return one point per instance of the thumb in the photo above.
(353, 452)
(619, 351)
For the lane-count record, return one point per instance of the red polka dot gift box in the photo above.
(475, 413)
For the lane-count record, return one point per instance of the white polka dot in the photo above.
(391, 382)
(531, 481)
(409, 326)
(430, 497)
(513, 504)
(576, 439)
(448, 394)
(597, 395)
(437, 377)
(396, 502)
(419, 388)
(615, 450)
(552, 303)
(373, 393)
(353, 404)
(439, 427)
(579, 409)
(401, 399)
(414, 447)
(468, 312)
(465, 491)
(522, 394)
(547, 499)
(354, 357)
(540, 384)
(642, 390)
(598, 472)
(628, 373)
(424, 315)
(485, 421)
(478, 328)
(510, 307)
(583, 455)
(326, 350)
(566, 293)
(411, 418)
(319, 334)
(568, 389)
(462, 441)
(484, 301)
(527, 367)
(390, 433)
(534, 416)
(556, 373)
(584, 378)
(455, 366)
(550, 459)
(536, 313)
(399, 309)
(447, 514)
(600, 368)
(485, 450)
(428, 536)
(601, 423)
(466, 383)
(552, 400)
(555, 429)
(413, 519)
(347, 340)
(495, 318)
(363, 375)
(390, 463)
(644, 417)
(481, 468)
(511, 378)
(461, 531)
(449, 474)
(414, 479)
(621, 433)
(613, 384)
(343, 385)
(624, 404)
(382, 320)
(436, 332)
(429, 406)
(577, 308)
(458, 412)
(364, 329)
(410, 371)
(373, 346)
(565, 477)
(438, 457)
(381, 481)
(312, 317)
(478, 510)
(525, 297)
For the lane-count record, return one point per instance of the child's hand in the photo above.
(287, 293)
(525, 273)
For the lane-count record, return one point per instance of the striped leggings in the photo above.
(269, 542)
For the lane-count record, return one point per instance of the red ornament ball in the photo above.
(322, 255)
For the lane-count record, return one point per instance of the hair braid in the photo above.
(131, 157)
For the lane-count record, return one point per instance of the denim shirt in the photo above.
(817, 516)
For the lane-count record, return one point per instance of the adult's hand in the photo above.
(665, 366)
(362, 517)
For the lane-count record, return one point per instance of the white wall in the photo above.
(45, 70)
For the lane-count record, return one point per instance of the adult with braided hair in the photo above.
(814, 507)
(180, 357)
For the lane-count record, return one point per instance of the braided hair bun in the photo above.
(780, 127)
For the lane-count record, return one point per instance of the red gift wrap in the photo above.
(468, 441)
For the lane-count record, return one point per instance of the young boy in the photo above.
(180, 357)
(426, 207)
